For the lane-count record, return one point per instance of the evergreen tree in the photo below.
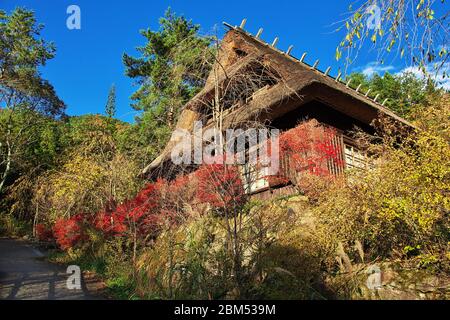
(403, 91)
(170, 70)
(26, 99)
(110, 108)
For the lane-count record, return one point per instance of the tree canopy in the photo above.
(110, 108)
(404, 91)
(25, 97)
(22, 52)
(416, 30)
(171, 68)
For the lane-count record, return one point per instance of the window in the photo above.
(355, 158)
(255, 177)
(254, 173)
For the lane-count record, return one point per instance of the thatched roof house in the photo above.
(287, 90)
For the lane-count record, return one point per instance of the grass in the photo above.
(119, 286)
(12, 227)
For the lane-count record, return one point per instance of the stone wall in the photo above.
(391, 281)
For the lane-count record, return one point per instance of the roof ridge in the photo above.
(287, 54)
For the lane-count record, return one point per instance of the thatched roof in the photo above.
(298, 83)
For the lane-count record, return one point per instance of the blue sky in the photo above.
(88, 61)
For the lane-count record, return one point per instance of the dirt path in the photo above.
(25, 275)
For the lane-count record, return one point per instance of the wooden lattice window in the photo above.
(356, 158)
(255, 177)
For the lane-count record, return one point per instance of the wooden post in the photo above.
(359, 87)
(289, 50)
(260, 31)
(376, 97)
(316, 63)
(303, 56)
(275, 41)
(348, 83)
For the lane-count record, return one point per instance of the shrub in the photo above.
(156, 205)
(93, 176)
(404, 201)
(221, 186)
(177, 265)
(44, 233)
(69, 232)
(310, 148)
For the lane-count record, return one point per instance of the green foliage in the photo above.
(411, 28)
(82, 129)
(411, 250)
(92, 172)
(172, 67)
(401, 204)
(22, 52)
(145, 139)
(14, 227)
(34, 138)
(34, 148)
(109, 262)
(25, 98)
(19, 46)
(121, 288)
(404, 91)
(110, 108)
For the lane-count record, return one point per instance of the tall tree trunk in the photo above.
(8, 146)
(8, 166)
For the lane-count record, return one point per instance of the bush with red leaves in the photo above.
(220, 185)
(309, 148)
(69, 232)
(44, 233)
(156, 205)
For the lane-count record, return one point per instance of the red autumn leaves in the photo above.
(157, 205)
(220, 186)
(69, 232)
(162, 203)
(309, 148)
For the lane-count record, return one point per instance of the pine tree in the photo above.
(170, 70)
(110, 108)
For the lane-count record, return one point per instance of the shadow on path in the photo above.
(25, 276)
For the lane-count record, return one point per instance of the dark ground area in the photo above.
(26, 275)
